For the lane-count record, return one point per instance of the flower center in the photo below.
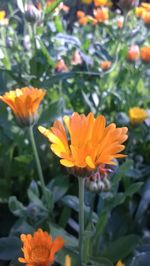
(40, 253)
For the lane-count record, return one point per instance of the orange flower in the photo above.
(39, 249)
(101, 14)
(61, 66)
(145, 54)
(80, 14)
(105, 65)
(133, 53)
(139, 11)
(91, 142)
(146, 18)
(137, 115)
(146, 6)
(24, 103)
(102, 3)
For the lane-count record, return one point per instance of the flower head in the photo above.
(145, 54)
(133, 53)
(101, 14)
(91, 142)
(105, 65)
(24, 104)
(137, 115)
(39, 249)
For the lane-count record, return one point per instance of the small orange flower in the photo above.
(80, 14)
(91, 142)
(24, 104)
(133, 53)
(61, 66)
(102, 3)
(105, 65)
(145, 54)
(101, 14)
(39, 249)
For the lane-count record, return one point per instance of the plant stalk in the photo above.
(37, 160)
(81, 219)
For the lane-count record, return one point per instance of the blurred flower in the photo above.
(102, 3)
(145, 54)
(120, 22)
(67, 260)
(127, 5)
(39, 249)
(146, 18)
(101, 14)
(119, 263)
(87, 2)
(27, 43)
(91, 142)
(3, 20)
(76, 58)
(32, 14)
(139, 11)
(61, 66)
(137, 115)
(24, 104)
(80, 14)
(105, 65)
(133, 53)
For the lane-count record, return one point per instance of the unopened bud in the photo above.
(32, 14)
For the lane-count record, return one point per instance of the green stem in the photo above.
(81, 219)
(37, 160)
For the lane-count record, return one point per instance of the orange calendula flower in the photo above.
(137, 115)
(133, 53)
(139, 11)
(24, 104)
(145, 54)
(80, 14)
(39, 249)
(105, 65)
(101, 14)
(102, 3)
(91, 142)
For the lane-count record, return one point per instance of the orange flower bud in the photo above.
(133, 53)
(61, 66)
(105, 65)
(145, 54)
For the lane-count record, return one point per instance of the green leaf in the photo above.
(59, 187)
(16, 207)
(70, 241)
(52, 6)
(9, 247)
(101, 261)
(121, 248)
(133, 189)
